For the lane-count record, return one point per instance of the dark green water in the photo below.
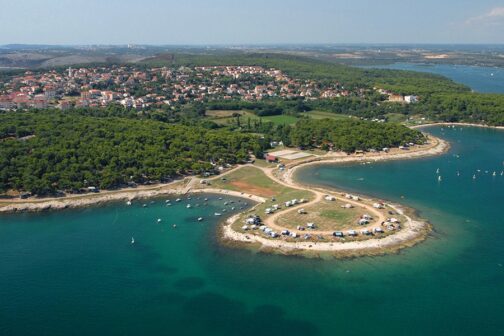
(76, 273)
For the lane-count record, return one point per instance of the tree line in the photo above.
(48, 151)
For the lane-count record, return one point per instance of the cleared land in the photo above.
(290, 154)
(252, 180)
(224, 117)
(325, 115)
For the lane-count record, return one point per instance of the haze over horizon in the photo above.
(227, 22)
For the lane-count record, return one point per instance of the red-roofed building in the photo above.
(270, 158)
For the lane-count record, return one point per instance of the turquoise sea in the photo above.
(75, 272)
(480, 79)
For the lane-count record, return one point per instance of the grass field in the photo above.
(253, 181)
(281, 119)
(224, 117)
(396, 117)
(324, 115)
(327, 216)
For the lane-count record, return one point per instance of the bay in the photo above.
(76, 271)
(480, 79)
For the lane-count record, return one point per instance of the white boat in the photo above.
(200, 219)
(159, 220)
(178, 200)
(437, 171)
(439, 178)
(217, 214)
(132, 240)
(188, 206)
(494, 174)
(474, 177)
(128, 203)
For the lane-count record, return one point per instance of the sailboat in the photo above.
(439, 178)
(132, 240)
(437, 171)
(474, 177)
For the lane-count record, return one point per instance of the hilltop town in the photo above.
(145, 88)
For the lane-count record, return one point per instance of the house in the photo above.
(40, 101)
(395, 98)
(6, 102)
(411, 99)
(21, 100)
(64, 105)
(270, 158)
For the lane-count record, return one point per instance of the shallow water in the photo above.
(76, 272)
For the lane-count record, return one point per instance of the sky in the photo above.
(207, 22)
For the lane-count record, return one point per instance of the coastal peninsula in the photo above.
(289, 217)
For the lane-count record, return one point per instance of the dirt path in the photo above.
(319, 193)
(412, 230)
